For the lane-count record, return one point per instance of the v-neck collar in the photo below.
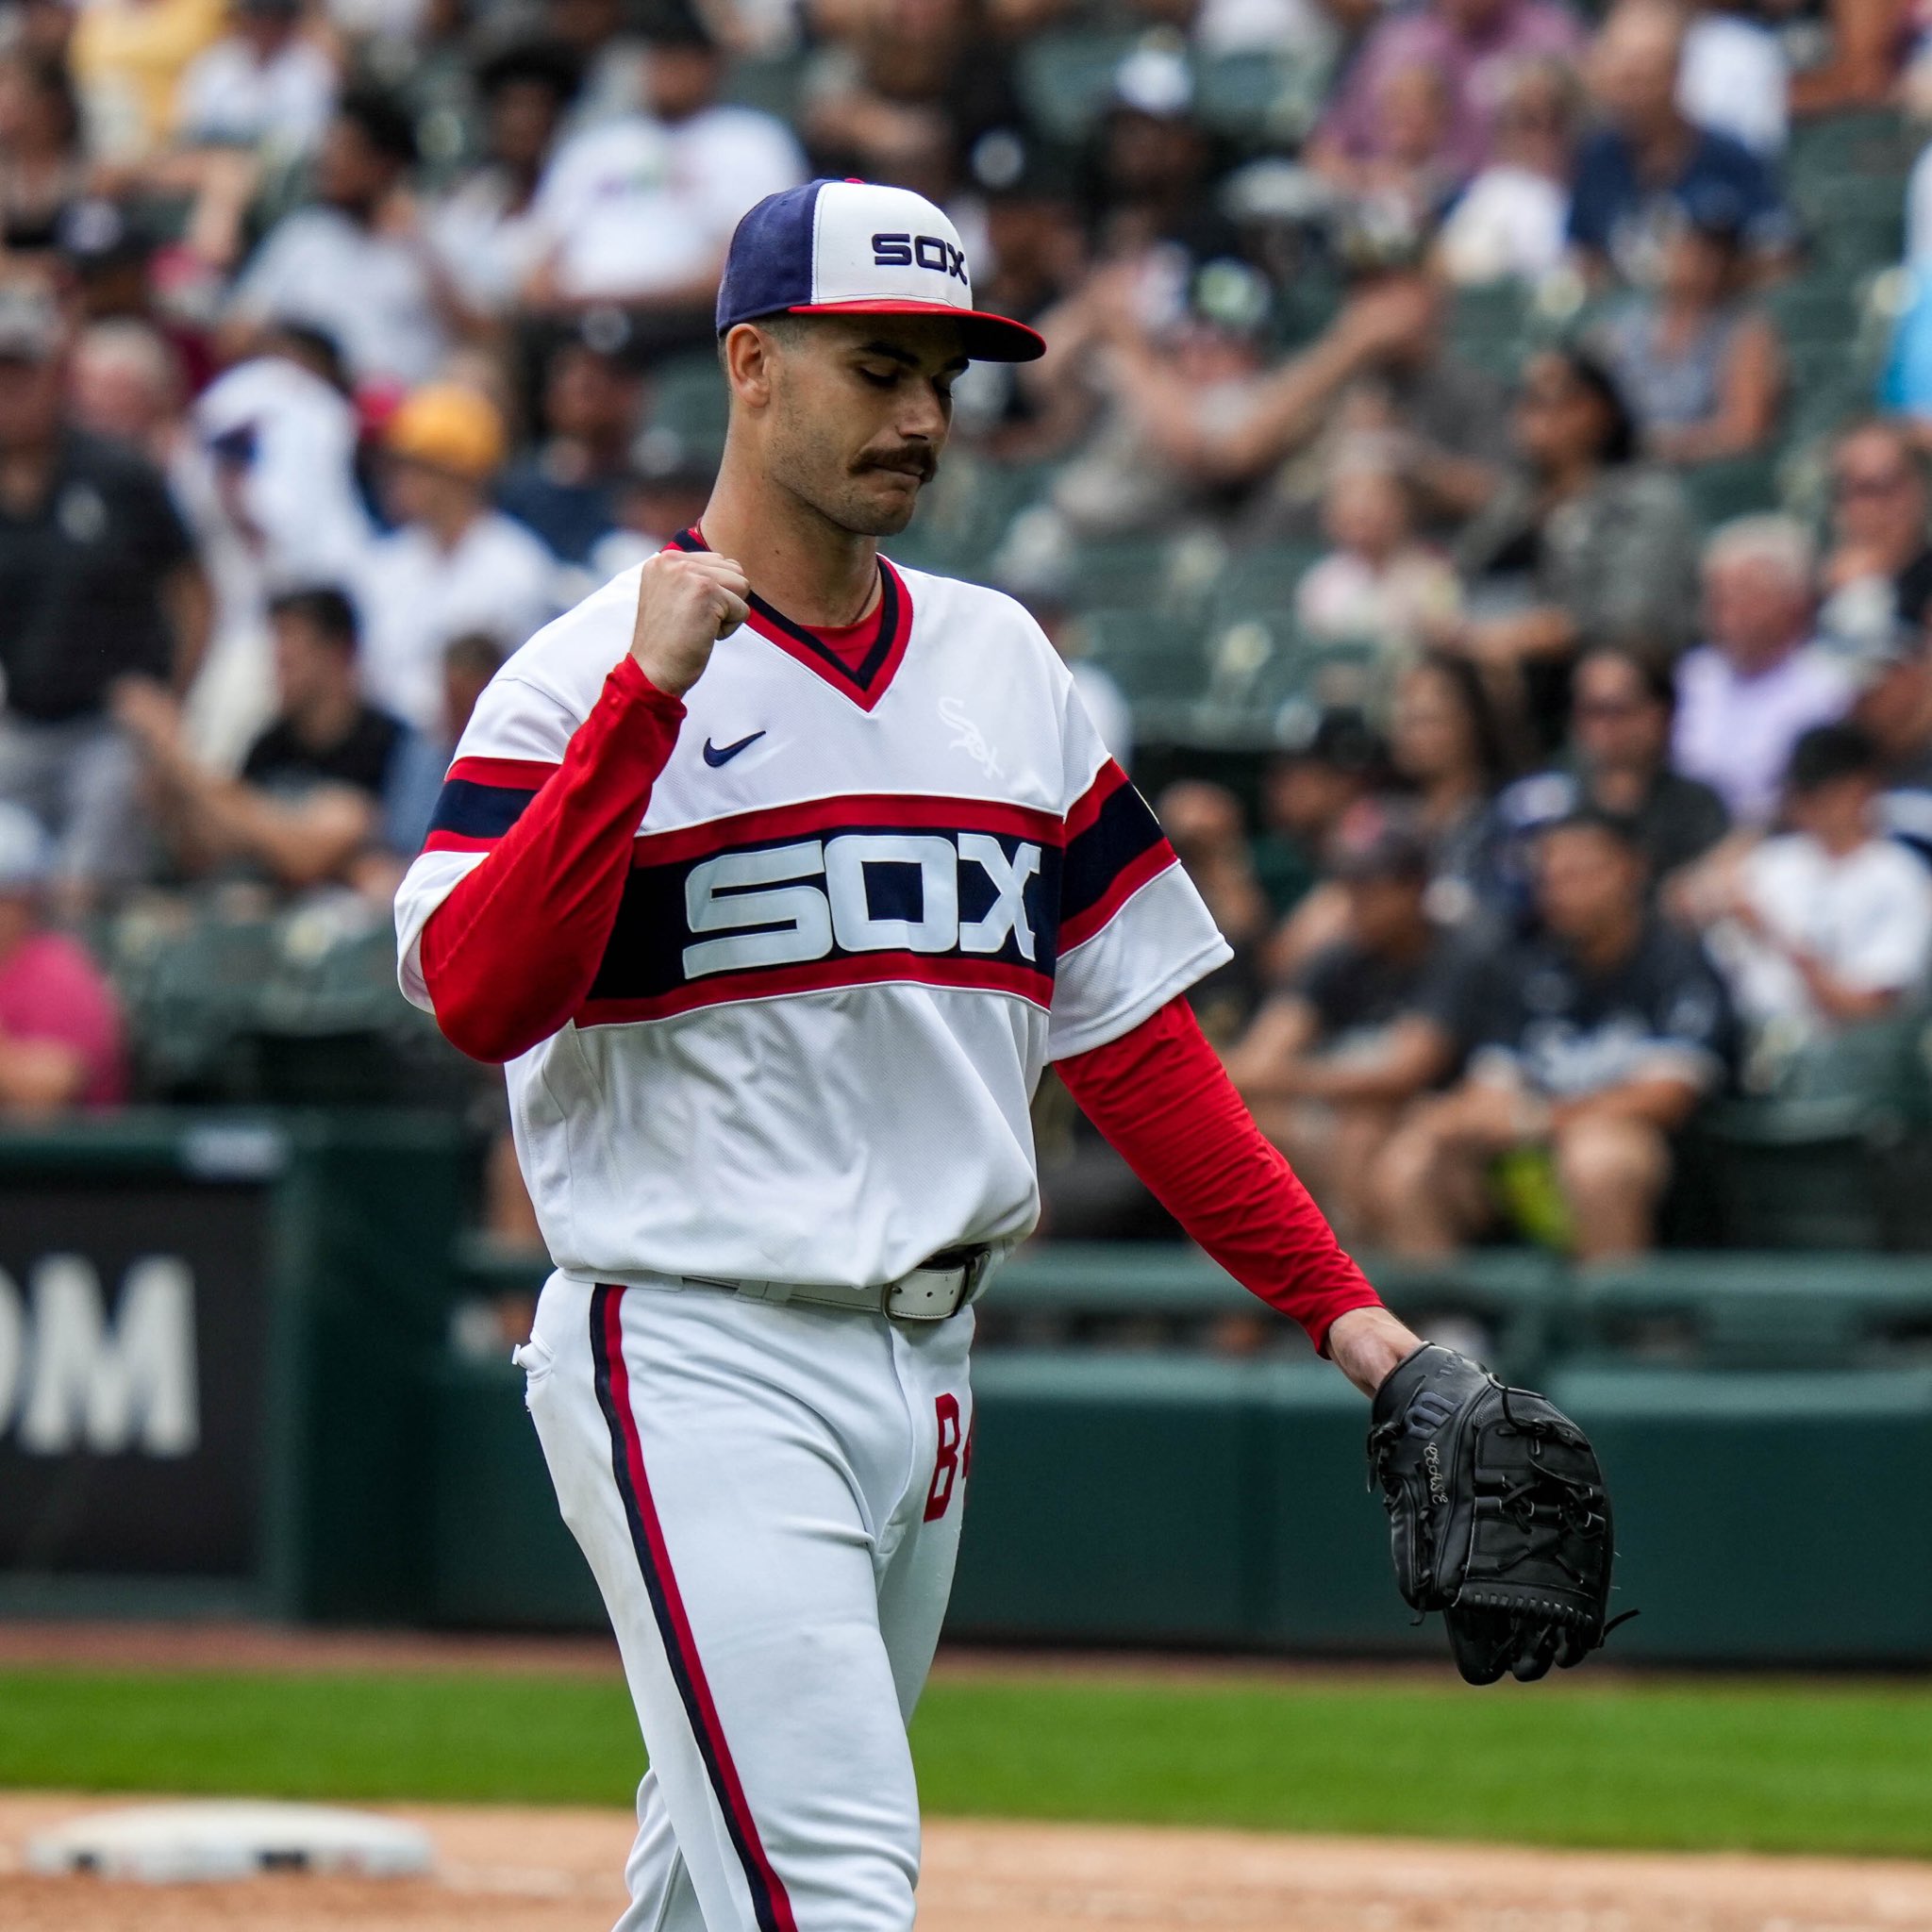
(867, 684)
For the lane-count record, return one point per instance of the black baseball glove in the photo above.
(1497, 1512)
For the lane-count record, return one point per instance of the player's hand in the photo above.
(686, 600)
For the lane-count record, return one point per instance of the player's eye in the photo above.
(880, 378)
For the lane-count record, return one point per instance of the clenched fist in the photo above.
(686, 600)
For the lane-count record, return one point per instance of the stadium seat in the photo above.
(768, 82)
(1151, 655)
(1262, 582)
(1732, 487)
(688, 399)
(1256, 96)
(1751, 1309)
(1066, 78)
(1813, 308)
(1869, 143)
(1794, 1174)
(1491, 326)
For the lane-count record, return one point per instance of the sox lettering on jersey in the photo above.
(787, 924)
(849, 890)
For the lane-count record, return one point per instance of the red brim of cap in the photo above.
(989, 338)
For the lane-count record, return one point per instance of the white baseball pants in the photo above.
(770, 1498)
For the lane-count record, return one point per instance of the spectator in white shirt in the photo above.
(1509, 221)
(485, 229)
(454, 564)
(1736, 78)
(639, 211)
(349, 263)
(268, 480)
(1746, 695)
(264, 85)
(1830, 923)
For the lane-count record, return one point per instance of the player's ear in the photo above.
(748, 354)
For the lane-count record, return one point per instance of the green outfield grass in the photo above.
(1619, 1762)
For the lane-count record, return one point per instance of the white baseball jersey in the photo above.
(864, 909)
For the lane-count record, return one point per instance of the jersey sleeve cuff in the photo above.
(628, 683)
(1343, 1304)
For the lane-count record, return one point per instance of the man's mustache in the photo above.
(910, 463)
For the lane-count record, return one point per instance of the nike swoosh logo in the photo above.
(716, 755)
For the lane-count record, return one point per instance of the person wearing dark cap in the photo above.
(1698, 360)
(1375, 1019)
(639, 211)
(1829, 923)
(1596, 1041)
(340, 265)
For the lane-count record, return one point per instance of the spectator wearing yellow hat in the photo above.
(453, 564)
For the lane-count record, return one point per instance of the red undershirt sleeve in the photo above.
(1164, 1102)
(510, 954)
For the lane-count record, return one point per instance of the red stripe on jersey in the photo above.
(861, 813)
(514, 950)
(1086, 808)
(1150, 864)
(823, 975)
(520, 774)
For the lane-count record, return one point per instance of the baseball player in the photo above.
(776, 876)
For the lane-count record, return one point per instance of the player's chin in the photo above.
(884, 506)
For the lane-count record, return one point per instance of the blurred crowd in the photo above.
(343, 341)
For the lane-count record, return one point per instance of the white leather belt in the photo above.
(938, 1287)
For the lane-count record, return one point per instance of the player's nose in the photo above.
(922, 418)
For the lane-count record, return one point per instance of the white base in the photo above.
(219, 1839)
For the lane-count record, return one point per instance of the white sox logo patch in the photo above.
(967, 736)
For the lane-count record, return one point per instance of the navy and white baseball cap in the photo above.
(858, 248)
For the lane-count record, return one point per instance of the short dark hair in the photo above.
(382, 122)
(317, 348)
(1620, 436)
(325, 609)
(1618, 826)
(1827, 753)
(537, 63)
(475, 651)
(1652, 668)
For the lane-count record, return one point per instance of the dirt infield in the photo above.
(505, 1870)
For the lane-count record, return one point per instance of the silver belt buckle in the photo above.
(936, 1294)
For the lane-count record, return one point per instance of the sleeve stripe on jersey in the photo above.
(1108, 781)
(481, 799)
(1114, 846)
